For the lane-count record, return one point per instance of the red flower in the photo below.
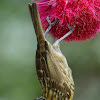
(84, 15)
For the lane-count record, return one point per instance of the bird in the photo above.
(54, 74)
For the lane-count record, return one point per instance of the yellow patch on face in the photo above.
(50, 95)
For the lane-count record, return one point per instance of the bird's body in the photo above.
(53, 72)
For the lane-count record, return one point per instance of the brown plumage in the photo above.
(52, 69)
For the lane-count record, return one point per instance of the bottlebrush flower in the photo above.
(84, 15)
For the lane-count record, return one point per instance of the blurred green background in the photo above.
(18, 79)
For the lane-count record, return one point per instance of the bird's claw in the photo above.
(50, 25)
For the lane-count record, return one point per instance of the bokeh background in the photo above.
(18, 79)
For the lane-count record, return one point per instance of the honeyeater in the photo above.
(53, 72)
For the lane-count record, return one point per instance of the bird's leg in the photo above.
(50, 25)
(67, 34)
